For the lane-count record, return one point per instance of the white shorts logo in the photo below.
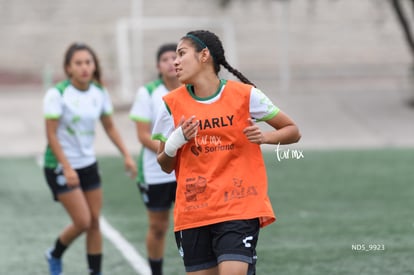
(246, 241)
(61, 180)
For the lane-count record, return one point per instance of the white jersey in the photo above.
(146, 105)
(261, 109)
(77, 112)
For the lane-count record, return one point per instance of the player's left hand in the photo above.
(253, 132)
(130, 167)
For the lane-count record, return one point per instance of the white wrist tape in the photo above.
(174, 142)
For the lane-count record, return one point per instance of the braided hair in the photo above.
(202, 39)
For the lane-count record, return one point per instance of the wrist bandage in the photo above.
(174, 142)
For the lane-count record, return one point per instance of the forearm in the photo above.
(286, 135)
(166, 162)
(58, 151)
(149, 143)
(71, 176)
(167, 151)
(116, 139)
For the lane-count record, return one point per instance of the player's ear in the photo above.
(205, 54)
(68, 70)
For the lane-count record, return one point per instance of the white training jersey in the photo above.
(77, 112)
(146, 105)
(261, 109)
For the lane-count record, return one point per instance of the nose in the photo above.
(176, 62)
(84, 66)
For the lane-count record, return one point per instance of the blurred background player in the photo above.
(72, 109)
(157, 187)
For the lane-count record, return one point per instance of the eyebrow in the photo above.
(179, 49)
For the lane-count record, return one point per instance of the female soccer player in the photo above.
(210, 139)
(157, 187)
(72, 109)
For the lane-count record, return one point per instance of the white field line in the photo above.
(138, 263)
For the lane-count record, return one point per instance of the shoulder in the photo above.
(176, 97)
(177, 92)
(242, 90)
(239, 86)
(56, 92)
(153, 85)
(99, 87)
(61, 86)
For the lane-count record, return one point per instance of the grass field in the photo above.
(329, 204)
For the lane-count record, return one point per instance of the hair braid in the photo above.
(235, 72)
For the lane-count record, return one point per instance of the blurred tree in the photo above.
(404, 22)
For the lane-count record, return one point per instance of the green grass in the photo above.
(325, 203)
(330, 200)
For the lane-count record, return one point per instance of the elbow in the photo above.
(166, 170)
(298, 137)
(142, 138)
(165, 166)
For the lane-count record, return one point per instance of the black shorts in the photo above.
(207, 246)
(88, 176)
(158, 197)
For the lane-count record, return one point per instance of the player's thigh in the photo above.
(77, 207)
(94, 200)
(90, 182)
(57, 182)
(234, 244)
(159, 220)
(195, 247)
(210, 271)
(158, 197)
(233, 267)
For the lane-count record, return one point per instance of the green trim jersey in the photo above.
(146, 105)
(77, 112)
(261, 109)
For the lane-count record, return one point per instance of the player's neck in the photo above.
(82, 86)
(206, 87)
(171, 83)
